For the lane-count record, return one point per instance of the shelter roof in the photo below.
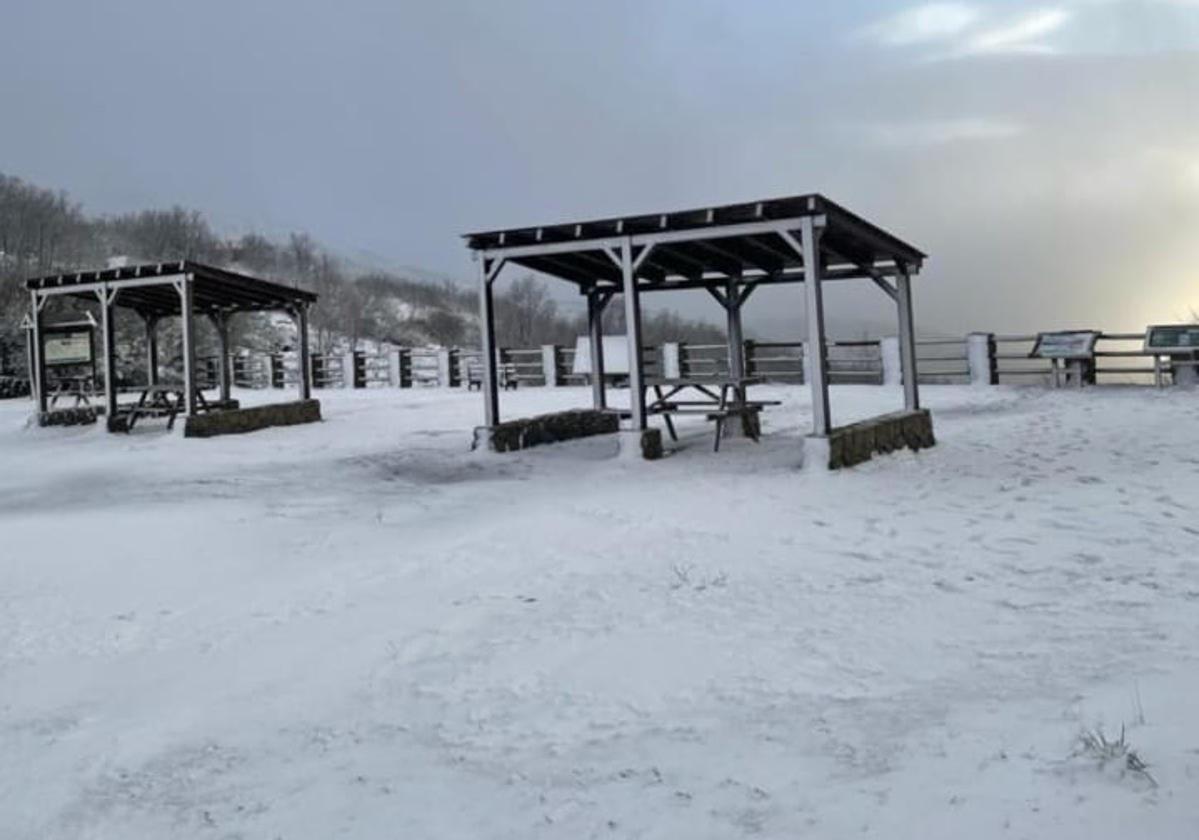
(148, 288)
(698, 247)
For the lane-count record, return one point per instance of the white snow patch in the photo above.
(359, 628)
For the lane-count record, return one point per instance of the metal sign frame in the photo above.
(76, 330)
(1189, 331)
(1072, 345)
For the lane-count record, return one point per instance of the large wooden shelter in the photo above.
(181, 289)
(729, 251)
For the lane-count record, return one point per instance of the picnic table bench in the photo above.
(715, 398)
(81, 388)
(506, 373)
(166, 401)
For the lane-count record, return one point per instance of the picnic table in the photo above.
(717, 399)
(82, 388)
(161, 401)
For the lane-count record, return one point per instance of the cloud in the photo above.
(1023, 34)
(961, 29)
(927, 23)
(936, 132)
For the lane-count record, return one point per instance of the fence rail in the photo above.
(980, 358)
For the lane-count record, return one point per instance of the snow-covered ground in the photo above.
(361, 629)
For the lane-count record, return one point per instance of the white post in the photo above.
(347, 370)
(224, 365)
(595, 341)
(907, 343)
(892, 366)
(733, 331)
(671, 366)
(491, 394)
(444, 374)
(815, 349)
(549, 365)
(978, 354)
(37, 382)
(393, 367)
(189, 344)
(305, 356)
(632, 317)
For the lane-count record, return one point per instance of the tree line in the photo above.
(45, 232)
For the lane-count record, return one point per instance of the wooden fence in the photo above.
(982, 358)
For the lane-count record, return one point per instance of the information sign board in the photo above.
(1076, 344)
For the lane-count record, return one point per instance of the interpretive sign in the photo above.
(1172, 338)
(69, 347)
(1076, 344)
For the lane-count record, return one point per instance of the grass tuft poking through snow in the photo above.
(1113, 753)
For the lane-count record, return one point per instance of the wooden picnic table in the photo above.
(716, 398)
(82, 388)
(161, 401)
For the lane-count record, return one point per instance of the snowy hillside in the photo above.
(361, 629)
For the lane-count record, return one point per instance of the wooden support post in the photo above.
(38, 383)
(596, 301)
(736, 339)
(151, 322)
(632, 317)
(816, 346)
(550, 365)
(907, 342)
(305, 360)
(491, 392)
(220, 323)
(187, 316)
(108, 353)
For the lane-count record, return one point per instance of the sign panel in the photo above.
(1178, 337)
(68, 348)
(616, 355)
(1076, 344)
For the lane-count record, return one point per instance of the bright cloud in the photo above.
(957, 29)
(930, 22)
(1024, 34)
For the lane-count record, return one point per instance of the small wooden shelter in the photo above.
(182, 289)
(729, 251)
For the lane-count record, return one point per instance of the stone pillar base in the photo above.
(857, 443)
(640, 445)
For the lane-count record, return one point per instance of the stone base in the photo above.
(80, 416)
(641, 445)
(859, 442)
(244, 420)
(745, 426)
(514, 435)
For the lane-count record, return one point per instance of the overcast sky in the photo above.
(1046, 155)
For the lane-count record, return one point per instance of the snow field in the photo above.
(360, 628)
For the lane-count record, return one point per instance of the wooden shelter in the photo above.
(182, 289)
(729, 251)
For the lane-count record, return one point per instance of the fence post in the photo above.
(455, 370)
(278, 377)
(672, 363)
(317, 366)
(1183, 370)
(888, 348)
(404, 359)
(980, 354)
(550, 365)
(443, 367)
(393, 367)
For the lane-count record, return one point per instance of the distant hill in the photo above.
(360, 298)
